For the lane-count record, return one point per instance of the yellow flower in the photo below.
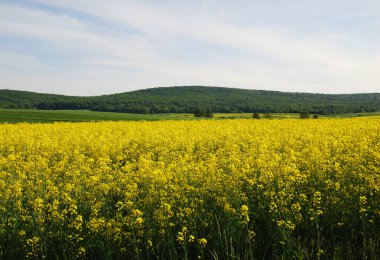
(22, 233)
(139, 221)
(202, 242)
(180, 237)
(122, 183)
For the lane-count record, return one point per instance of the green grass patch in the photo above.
(48, 116)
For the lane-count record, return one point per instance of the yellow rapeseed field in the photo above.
(191, 189)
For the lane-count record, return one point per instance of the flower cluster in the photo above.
(187, 189)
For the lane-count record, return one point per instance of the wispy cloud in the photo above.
(96, 47)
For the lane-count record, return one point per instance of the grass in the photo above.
(48, 116)
(292, 115)
(350, 115)
(249, 115)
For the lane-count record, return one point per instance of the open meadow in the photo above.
(207, 189)
(49, 116)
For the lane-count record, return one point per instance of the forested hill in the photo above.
(187, 99)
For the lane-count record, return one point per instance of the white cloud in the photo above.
(17, 61)
(115, 46)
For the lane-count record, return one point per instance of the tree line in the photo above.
(189, 99)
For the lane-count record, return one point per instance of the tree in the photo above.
(267, 116)
(256, 115)
(209, 113)
(315, 116)
(198, 112)
(304, 115)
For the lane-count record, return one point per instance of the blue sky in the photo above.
(93, 47)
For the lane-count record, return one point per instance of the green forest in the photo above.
(188, 99)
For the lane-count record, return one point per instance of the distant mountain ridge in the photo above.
(186, 99)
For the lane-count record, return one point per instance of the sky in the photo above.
(95, 47)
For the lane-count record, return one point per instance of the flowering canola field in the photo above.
(191, 189)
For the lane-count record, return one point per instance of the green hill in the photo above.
(187, 99)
